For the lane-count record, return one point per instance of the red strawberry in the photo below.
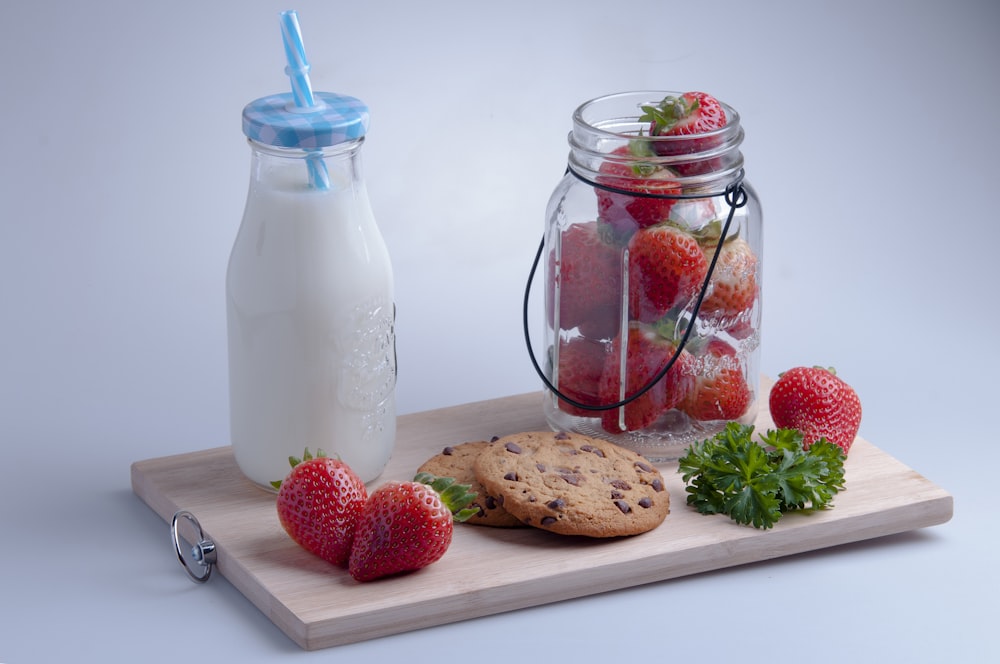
(581, 362)
(666, 268)
(742, 328)
(646, 353)
(319, 503)
(720, 390)
(818, 403)
(626, 213)
(733, 286)
(691, 114)
(406, 526)
(590, 282)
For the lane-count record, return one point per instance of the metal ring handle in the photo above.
(203, 552)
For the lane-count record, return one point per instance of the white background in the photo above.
(871, 137)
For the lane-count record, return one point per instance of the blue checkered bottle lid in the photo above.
(276, 121)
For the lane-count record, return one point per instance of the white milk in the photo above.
(311, 338)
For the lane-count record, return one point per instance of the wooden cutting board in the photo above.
(487, 570)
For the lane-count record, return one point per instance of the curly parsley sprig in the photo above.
(754, 483)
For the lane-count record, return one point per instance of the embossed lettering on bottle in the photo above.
(366, 352)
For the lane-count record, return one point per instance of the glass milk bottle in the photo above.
(652, 257)
(309, 292)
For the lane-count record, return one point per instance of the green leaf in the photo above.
(751, 506)
(753, 482)
(668, 112)
(455, 495)
(294, 461)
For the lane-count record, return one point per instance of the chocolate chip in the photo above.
(576, 479)
(491, 503)
(593, 450)
(643, 467)
(556, 504)
(494, 439)
(511, 476)
(448, 451)
(623, 506)
(617, 494)
(513, 448)
(540, 467)
(619, 483)
(548, 520)
(657, 485)
(562, 435)
(645, 501)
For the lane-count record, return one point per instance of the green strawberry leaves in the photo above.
(668, 112)
(294, 461)
(455, 495)
(755, 483)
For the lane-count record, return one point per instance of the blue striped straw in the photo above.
(295, 54)
(298, 73)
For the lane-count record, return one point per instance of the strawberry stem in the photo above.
(294, 461)
(668, 113)
(455, 495)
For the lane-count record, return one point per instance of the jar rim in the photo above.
(607, 130)
(635, 99)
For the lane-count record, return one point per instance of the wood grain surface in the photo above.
(487, 570)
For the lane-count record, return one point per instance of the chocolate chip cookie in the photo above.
(573, 484)
(457, 461)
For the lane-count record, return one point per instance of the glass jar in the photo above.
(652, 259)
(309, 291)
